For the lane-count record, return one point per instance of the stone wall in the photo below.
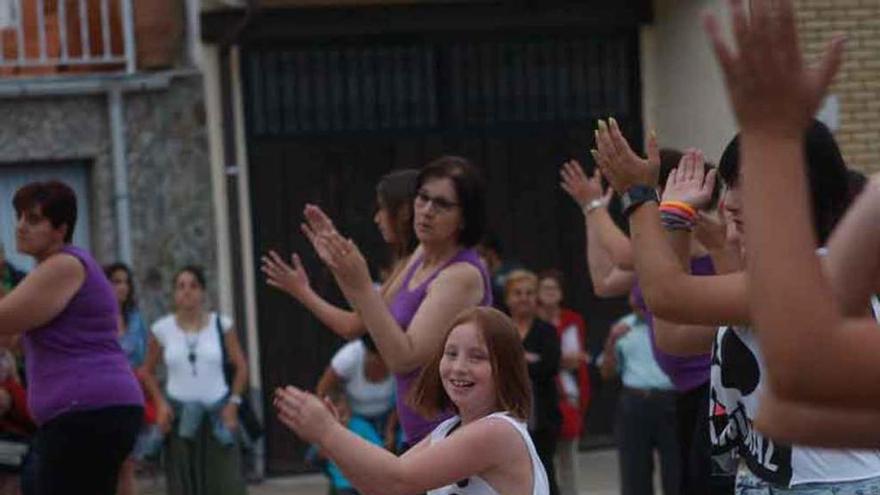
(169, 174)
(858, 84)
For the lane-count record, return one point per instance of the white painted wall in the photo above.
(683, 91)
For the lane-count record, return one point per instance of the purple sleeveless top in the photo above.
(404, 307)
(685, 372)
(74, 362)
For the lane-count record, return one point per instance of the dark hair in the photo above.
(396, 192)
(369, 343)
(669, 160)
(196, 271)
(513, 390)
(56, 200)
(471, 191)
(492, 242)
(856, 182)
(826, 172)
(130, 302)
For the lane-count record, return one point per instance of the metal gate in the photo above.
(326, 120)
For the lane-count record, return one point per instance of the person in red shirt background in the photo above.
(574, 379)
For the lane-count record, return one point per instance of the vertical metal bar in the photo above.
(85, 42)
(62, 28)
(128, 32)
(41, 30)
(19, 28)
(105, 28)
(120, 174)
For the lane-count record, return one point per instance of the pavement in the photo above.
(598, 476)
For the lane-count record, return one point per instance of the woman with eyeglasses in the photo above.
(199, 410)
(442, 278)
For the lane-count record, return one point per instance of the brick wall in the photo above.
(858, 84)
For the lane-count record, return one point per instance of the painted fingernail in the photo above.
(602, 125)
(613, 122)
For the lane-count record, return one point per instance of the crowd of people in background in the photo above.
(464, 371)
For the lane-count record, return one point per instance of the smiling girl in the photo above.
(480, 373)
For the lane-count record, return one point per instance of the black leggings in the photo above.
(81, 452)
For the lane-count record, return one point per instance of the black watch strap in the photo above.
(636, 196)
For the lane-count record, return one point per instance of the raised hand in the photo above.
(689, 182)
(619, 163)
(304, 413)
(289, 277)
(770, 88)
(341, 255)
(582, 189)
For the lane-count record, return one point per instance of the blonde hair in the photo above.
(517, 276)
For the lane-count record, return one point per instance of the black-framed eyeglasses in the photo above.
(440, 203)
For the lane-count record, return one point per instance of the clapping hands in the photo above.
(690, 182)
(619, 163)
(341, 255)
(582, 189)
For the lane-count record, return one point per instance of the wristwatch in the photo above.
(235, 399)
(636, 196)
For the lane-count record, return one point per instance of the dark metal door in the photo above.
(326, 121)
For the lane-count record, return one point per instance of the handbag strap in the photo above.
(225, 356)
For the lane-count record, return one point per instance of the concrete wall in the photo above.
(169, 174)
(684, 98)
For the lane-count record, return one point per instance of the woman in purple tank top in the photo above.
(444, 277)
(81, 390)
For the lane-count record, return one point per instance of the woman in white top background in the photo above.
(199, 410)
(359, 371)
(480, 372)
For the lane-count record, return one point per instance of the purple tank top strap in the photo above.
(466, 255)
(411, 273)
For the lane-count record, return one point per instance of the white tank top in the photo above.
(478, 486)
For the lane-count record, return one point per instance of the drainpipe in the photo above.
(121, 197)
(242, 276)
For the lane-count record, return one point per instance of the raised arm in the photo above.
(293, 279)
(774, 96)
(671, 292)
(42, 294)
(374, 470)
(852, 263)
(608, 251)
(686, 184)
(457, 287)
